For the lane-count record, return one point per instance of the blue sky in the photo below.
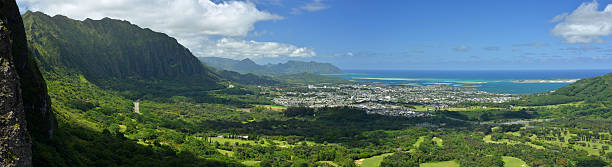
(425, 35)
(398, 34)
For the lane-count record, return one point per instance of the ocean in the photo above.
(496, 81)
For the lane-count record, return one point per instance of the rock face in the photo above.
(15, 144)
(36, 101)
(23, 93)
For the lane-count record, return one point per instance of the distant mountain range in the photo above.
(290, 67)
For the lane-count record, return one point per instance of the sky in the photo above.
(359, 34)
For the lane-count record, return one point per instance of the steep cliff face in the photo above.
(116, 54)
(15, 144)
(23, 92)
(108, 48)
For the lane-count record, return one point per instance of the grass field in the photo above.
(251, 163)
(438, 141)
(273, 107)
(451, 163)
(226, 153)
(591, 147)
(232, 141)
(374, 161)
(552, 106)
(487, 139)
(330, 163)
(590, 150)
(424, 108)
(472, 109)
(513, 162)
(253, 142)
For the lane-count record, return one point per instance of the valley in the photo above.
(122, 95)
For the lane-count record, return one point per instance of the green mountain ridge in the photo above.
(290, 67)
(314, 79)
(95, 69)
(595, 89)
(116, 54)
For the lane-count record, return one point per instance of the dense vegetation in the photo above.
(99, 128)
(591, 90)
(468, 149)
(182, 123)
(291, 67)
(116, 54)
(595, 90)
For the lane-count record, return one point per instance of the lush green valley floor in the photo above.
(99, 127)
(372, 161)
(450, 163)
(513, 162)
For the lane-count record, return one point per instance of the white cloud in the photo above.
(315, 5)
(558, 18)
(349, 54)
(175, 17)
(240, 49)
(195, 23)
(586, 24)
(462, 48)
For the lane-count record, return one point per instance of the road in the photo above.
(136, 107)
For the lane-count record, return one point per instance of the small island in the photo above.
(547, 81)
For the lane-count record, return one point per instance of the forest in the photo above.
(183, 131)
(192, 115)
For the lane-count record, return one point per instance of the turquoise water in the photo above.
(496, 81)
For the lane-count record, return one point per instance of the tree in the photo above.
(589, 162)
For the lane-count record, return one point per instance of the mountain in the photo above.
(314, 79)
(94, 71)
(595, 89)
(590, 90)
(247, 65)
(290, 67)
(248, 79)
(116, 54)
(24, 102)
(295, 67)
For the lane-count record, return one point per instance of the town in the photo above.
(386, 100)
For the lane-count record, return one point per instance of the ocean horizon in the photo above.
(495, 81)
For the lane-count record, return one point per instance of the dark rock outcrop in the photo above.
(23, 92)
(15, 144)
